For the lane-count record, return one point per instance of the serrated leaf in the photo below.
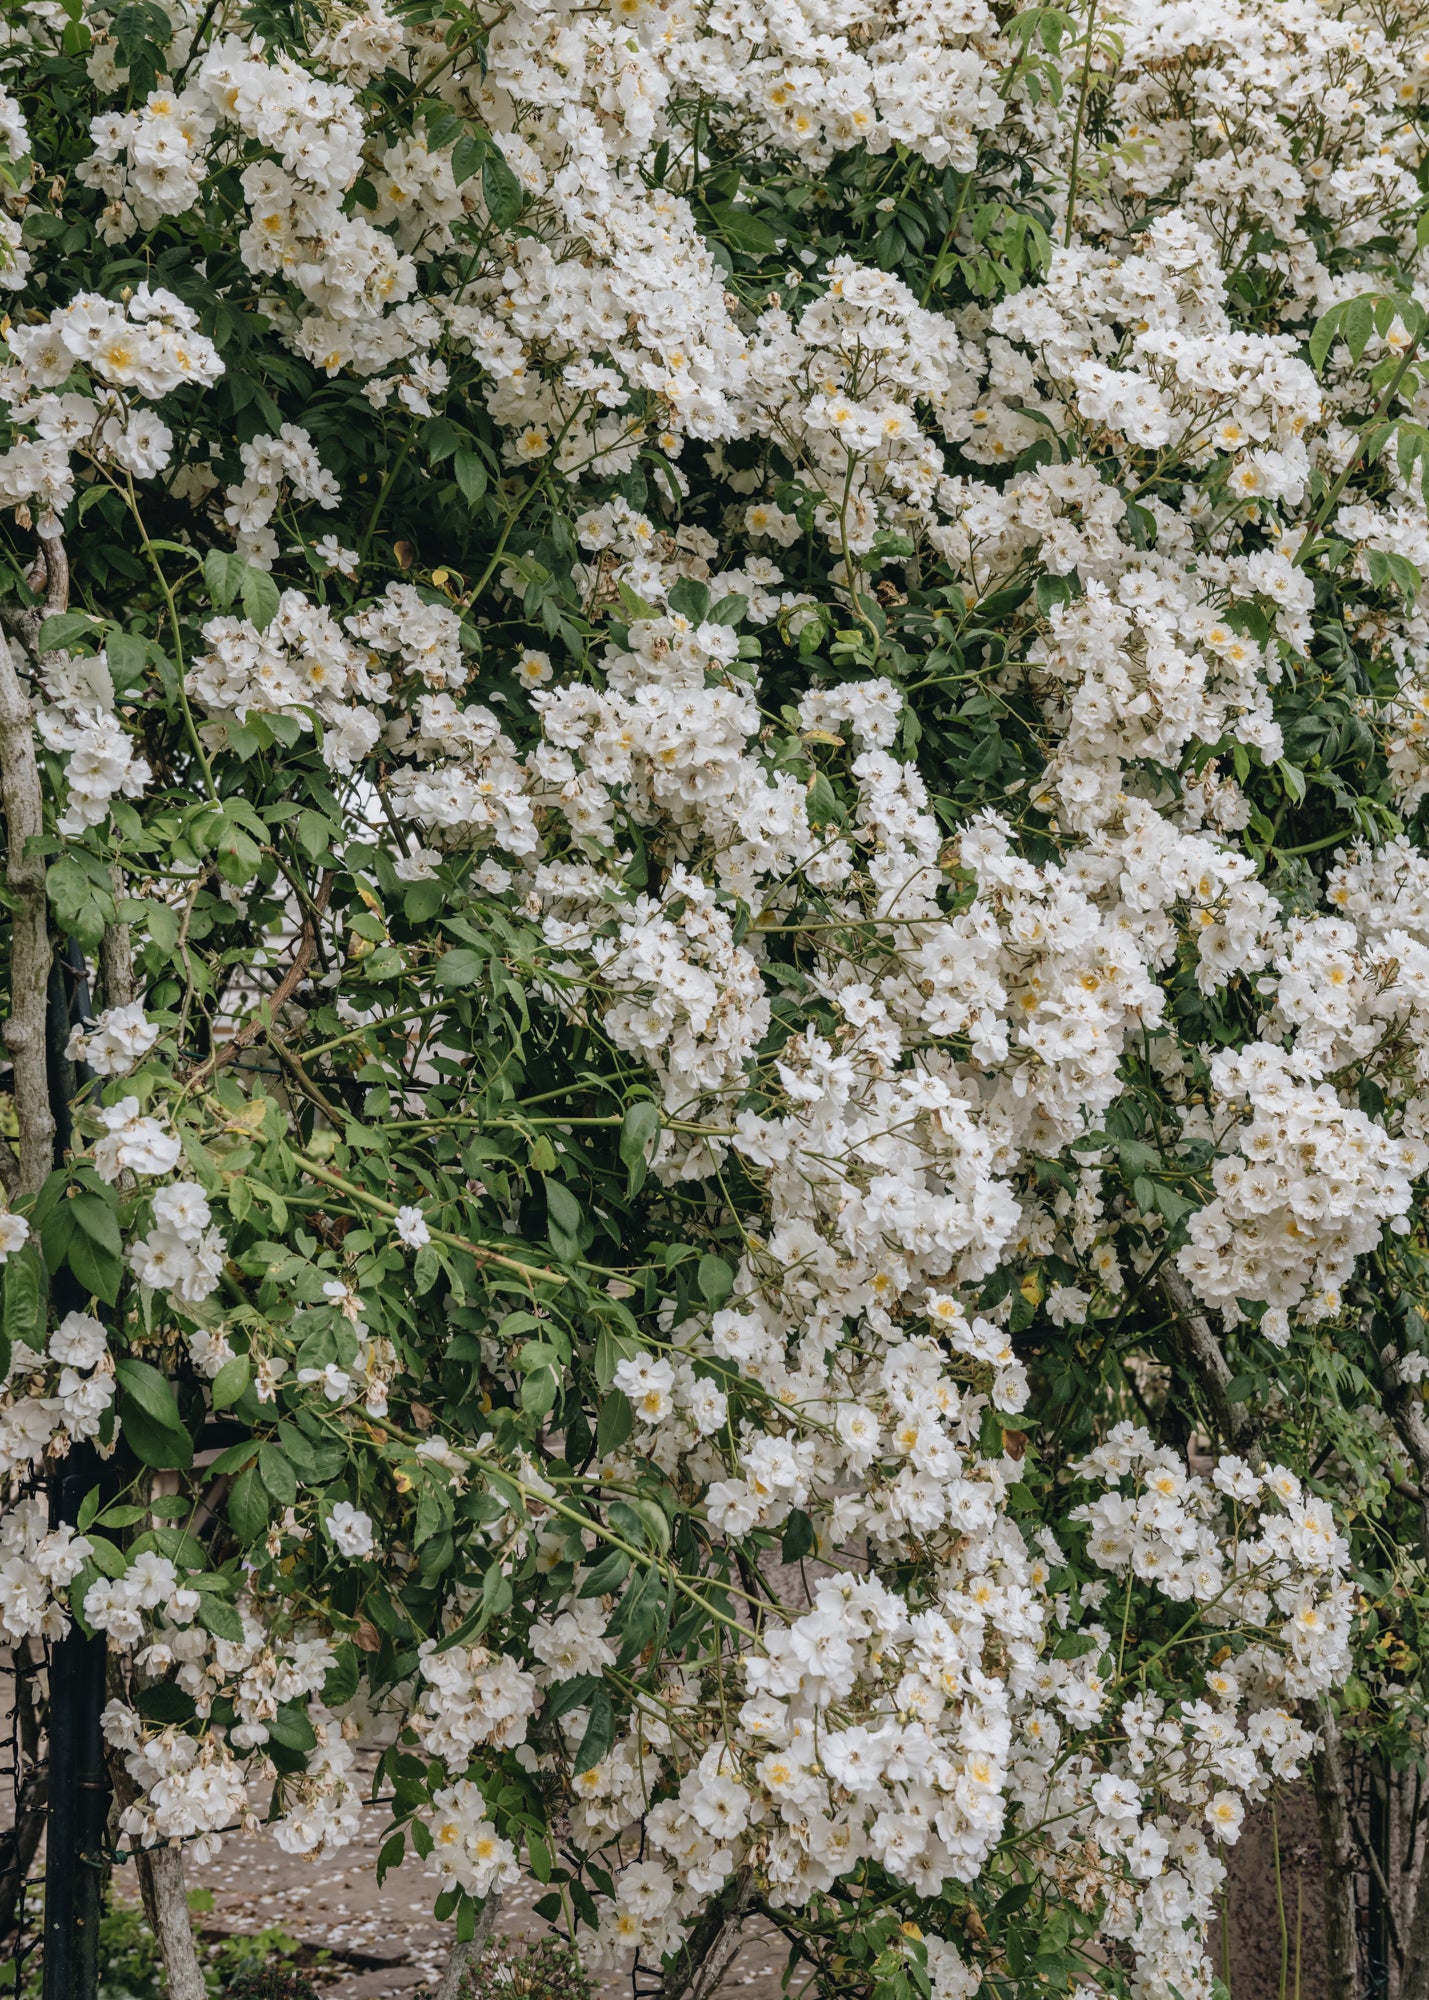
(470, 473)
(64, 629)
(563, 1219)
(277, 1474)
(248, 1508)
(1358, 324)
(259, 594)
(231, 1381)
(223, 572)
(467, 155)
(638, 1132)
(607, 1575)
(127, 654)
(504, 195)
(146, 1389)
(460, 968)
(220, 1618)
(342, 1676)
(715, 1280)
(23, 1315)
(691, 599)
(291, 1727)
(599, 1734)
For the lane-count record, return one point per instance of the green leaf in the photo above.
(220, 1618)
(291, 1728)
(641, 1522)
(315, 1460)
(94, 1250)
(65, 629)
(277, 1474)
(638, 1133)
(563, 1219)
(470, 474)
(740, 226)
(691, 599)
(599, 1734)
(1293, 779)
(315, 834)
(149, 1415)
(715, 1280)
(1323, 337)
(23, 1314)
(260, 597)
(343, 1676)
(467, 155)
(1394, 572)
(495, 1596)
(538, 1391)
(164, 1703)
(799, 1539)
(148, 1390)
(566, 1695)
(505, 197)
(615, 1422)
(223, 572)
(82, 897)
(1358, 324)
(105, 1556)
(461, 968)
(248, 1509)
(239, 856)
(231, 1381)
(607, 1575)
(128, 655)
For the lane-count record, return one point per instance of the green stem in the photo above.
(173, 610)
(382, 492)
(1331, 500)
(383, 1021)
(483, 1253)
(1314, 846)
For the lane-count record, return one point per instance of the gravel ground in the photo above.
(385, 1942)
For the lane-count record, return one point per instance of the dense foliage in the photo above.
(715, 730)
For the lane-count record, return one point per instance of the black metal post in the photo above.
(75, 1856)
(76, 1859)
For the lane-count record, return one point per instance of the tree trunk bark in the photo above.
(166, 1903)
(706, 1954)
(1202, 1354)
(21, 1842)
(1337, 1865)
(116, 955)
(30, 950)
(464, 1956)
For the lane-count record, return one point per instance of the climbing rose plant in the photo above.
(715, 727)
